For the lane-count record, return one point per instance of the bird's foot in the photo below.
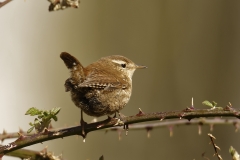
(83, 124)
(119, 122)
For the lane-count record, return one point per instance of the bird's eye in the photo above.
(123, 65)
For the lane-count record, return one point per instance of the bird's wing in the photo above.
(103, 79)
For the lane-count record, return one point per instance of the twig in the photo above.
(216, 148)
(4, 3)
(36, 155)
(56, 5)
(46, 135)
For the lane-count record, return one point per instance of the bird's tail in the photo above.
(69, 60)
(77, 70)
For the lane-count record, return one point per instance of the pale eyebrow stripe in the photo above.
(118, 61)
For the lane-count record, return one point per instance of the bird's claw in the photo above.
(119, 122)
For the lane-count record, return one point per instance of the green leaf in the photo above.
(54, 117)
(33, 111)
(45, 113)
(55, 111)
(30, 130)
(36, 121)
(207, 103)
(40, 116)
(214, 103)
(43, 118)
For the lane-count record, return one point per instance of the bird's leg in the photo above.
(125, 126)
(119, 120)
(83, 123)
(121, 115)
(114, 116)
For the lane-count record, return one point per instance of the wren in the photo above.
(103, 87)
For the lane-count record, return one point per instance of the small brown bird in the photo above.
(103, 87)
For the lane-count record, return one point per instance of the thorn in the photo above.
(236, 125)
(162, 117)
(140, 113)
(181, 115)
(188, 109)
(170, 131)
(125, 126)
(199, 129)
(20, 130)
(211, 127)
(192, 105)
(217, 147)
(4, 132)
(44, 151)
(50, 126)
(210, 135)
(148, 134)
(119, 134)
(45, 131)
(236, 113)
(20, 135)
(148, 131)
(219, 157)
(228, 107)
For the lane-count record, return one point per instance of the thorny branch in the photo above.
(148, 127)
(188, 113)
(36, 155)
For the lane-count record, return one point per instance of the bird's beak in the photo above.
(140, 67)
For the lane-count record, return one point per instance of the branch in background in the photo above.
(4, 3)
(216, 148)
(63, 4)
(170, 124)
(29, 154)
(46, 135)
(55, 4)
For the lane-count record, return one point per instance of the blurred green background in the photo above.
(191, 48)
